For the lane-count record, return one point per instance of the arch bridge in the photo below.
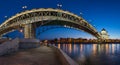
(30, 19)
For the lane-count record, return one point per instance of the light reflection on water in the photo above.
(93, 54)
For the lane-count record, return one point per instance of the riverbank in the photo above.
(86, 43)
(39, 56)
(93, 54)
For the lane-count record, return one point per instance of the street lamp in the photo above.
(5, 16)
(81, 14)
(59, 13)
(24, 7)
(59, 5)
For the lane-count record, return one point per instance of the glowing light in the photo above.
(65, 26)
(81, 13)
(24, 7)
(113, 48)
(107, 48)
(5, 16)
(75, 48)
(59, 46)
(70, 47)
(81, 47)
(21, 30)
(59, 5)
(94, 48)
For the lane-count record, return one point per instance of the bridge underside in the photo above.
(29, 29)
(66, 23)
(70, 24)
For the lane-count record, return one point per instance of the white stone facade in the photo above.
(104, 34)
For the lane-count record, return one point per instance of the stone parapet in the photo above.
(28, 43)
(64, 58)
(9, 47)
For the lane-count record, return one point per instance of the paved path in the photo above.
(39, 56)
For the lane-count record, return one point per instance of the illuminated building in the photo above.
(104, 34)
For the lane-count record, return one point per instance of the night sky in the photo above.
(100, 13)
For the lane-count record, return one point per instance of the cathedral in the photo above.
(104, 34)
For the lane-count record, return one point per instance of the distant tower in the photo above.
(104, 34)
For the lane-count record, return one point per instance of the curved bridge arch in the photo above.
(31, 19)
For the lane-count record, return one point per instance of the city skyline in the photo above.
(101, 14)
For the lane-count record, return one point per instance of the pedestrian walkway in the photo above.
(39, 56)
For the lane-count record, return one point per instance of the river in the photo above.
(93, 54)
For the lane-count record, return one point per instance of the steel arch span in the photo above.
(30, 19)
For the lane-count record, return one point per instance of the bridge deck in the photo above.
(39, 56)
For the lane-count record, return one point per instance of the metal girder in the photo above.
(44, 16)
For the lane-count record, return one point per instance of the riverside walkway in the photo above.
(39, 56)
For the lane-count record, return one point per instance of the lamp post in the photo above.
(81, 14)
(5, 16)
(59, 6)
(24, 7)
(59, 14)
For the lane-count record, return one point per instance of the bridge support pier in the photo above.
(29, 31)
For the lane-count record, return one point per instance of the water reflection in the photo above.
(93, 54)
(70, 48)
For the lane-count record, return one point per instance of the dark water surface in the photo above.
(93, 54)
